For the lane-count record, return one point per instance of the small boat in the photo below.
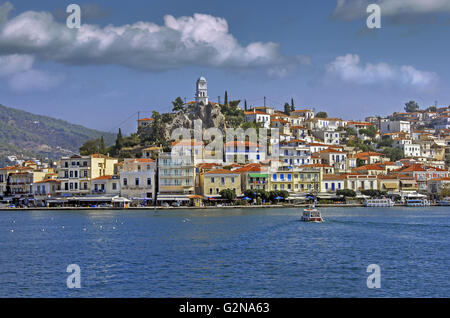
(417, 202)
(445, 202)
(379, 203)
(311, 214)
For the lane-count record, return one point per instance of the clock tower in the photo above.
(201, 93)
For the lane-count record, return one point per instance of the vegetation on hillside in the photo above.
(23, 133)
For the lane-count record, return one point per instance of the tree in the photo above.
(119, 140)
(445, 191)
(292, 105)
(102, 147)
(371, 131)
(374, 193)
(431, 109)
(278, 193)
(346, 193)
(351, 131)
(245, 105)
(228, 194)
(226, 98)
(322, 115)
(411, 107)
(386, 141)
(360, 162)
(178, 105)
(90, 147)
(394, 153)
(287, 108)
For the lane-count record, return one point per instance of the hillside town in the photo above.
(401, 156)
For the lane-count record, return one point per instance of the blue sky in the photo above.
(318, 52)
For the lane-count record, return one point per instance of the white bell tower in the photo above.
(201, 93)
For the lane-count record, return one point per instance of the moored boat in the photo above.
(417, 202)
(379, 203)
(445, 202)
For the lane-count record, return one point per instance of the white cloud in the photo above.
(200, 40)
(33, 80)
(17, 70)
(355, 9)
(350, 69)
(15, 63)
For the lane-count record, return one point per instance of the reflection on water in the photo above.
(225, 253)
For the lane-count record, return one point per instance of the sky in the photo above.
(140, 55)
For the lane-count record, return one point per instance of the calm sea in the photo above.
(226, 253)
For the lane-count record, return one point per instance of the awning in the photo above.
(258, 175)
(390, 185)
(172, 198)
(408, 181)
(120, 199)
(95, 199)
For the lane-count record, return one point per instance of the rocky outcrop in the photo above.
(210, 115)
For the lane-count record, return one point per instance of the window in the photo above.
(232, 179)
(149, 181)
(222, 180)
(212, 180)
(274, 177)
(114, 186)
(125, 181)
(136, 181)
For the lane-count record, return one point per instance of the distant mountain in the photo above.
(23, 133)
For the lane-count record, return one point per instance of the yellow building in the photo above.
(296, 180)
(216, 180)
(76, 172)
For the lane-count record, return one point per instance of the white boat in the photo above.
(417, 202)
(379, 203)
(311, 215)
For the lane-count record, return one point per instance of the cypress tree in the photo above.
(292, 105)
(119, 140)
(226, 98)
(101, 147)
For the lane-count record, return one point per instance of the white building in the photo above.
(106, 185)
(201, 92)
(244, 152)
(328, 137)
(137, 178)
(295, 153)
(388, 126)
(258, 117)
(411, 150)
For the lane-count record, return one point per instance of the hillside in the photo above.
(23, 133)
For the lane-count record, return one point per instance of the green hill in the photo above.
(26, 134)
